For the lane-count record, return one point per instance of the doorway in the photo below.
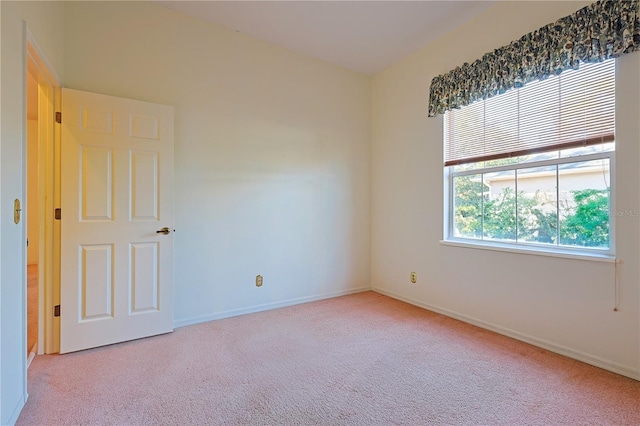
(33, 213)
(42, 196)
(145, 134)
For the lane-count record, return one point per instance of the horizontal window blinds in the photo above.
(575, 108)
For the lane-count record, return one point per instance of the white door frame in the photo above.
(49, 195)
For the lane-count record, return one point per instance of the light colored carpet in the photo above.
(363, 359)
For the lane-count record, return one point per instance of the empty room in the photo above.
(320, 212)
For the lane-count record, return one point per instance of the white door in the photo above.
(117, 194)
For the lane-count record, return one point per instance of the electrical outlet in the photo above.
(258, 280)
(414, 277)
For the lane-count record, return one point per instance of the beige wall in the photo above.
(271, 154)
(568, 309)
(33, 200)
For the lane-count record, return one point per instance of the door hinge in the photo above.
(58, 117)
(56, 311)
(57, 214)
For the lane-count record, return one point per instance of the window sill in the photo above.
(567, 254)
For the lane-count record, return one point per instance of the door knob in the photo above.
(163, 231)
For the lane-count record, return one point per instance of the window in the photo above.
(533, 166)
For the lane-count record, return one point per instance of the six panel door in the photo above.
(117, 194)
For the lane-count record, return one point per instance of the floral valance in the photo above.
(603, 30)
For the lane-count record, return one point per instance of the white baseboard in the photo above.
(553, 347)
(30, 358)
(32, 353)
(265, 307)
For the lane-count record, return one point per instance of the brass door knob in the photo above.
(163, 231)
(16, 211)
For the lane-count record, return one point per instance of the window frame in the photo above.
(526, 246)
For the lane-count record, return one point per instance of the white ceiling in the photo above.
(365, 36)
